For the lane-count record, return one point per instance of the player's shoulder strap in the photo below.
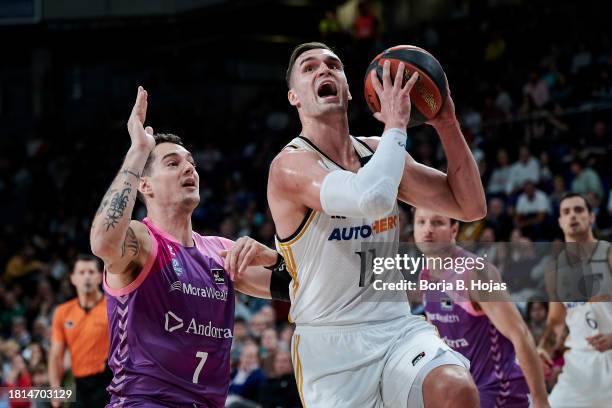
(601, 252)
(361, 148)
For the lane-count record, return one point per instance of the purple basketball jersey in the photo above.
(493, 364)
(171, 329)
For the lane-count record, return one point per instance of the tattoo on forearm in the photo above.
(105, 200)
(130, 242)
(117, 206)
(128, 172)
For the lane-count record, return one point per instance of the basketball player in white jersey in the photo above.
(329, 193)
(586, 379)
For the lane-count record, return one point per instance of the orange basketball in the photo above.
(427, 95)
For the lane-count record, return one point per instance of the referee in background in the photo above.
(81, 326)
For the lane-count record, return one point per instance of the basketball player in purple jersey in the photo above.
(170, 299)
(491, 334)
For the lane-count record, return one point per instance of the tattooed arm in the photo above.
(122, 243)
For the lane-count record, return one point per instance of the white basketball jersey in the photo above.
(324, 258)
(593, 316)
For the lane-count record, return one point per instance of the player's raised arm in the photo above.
(372, 191)
(459, 193)
(113, 236)
(462, 175)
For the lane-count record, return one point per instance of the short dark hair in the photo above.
(159, 138)
(87, 258)
(299, 50)
(572, 195)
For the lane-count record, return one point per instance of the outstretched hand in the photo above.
(141, 138)
(246, 252)
(395, 105)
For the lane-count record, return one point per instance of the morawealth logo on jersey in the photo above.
(363, 231)
(206, 293)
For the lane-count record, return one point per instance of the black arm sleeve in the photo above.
(280, 280)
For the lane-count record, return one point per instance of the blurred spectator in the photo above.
(268, 313)
(206, 159)
(11, 309)
(517, 266)
(598, 146)
(242, 311)
(58, 267)
(269, 348)
(431, 38)
(18, 377)
(281, 389)
(329, 27)
(285, 337)
(532, 208)
(503, 100)
(525, 169)
(246, 379)
(9, 349)
(472, 120)
(536, 318)
(487, 247)
(35, 356)
(241, 333)
(19, 331)
(498, 219)
(496, 48)
(491, 114)
(499, 177)
(40, 379)
(537, 89)
(41, 333)
(259, 323)
(366, 24)
(586, 180)
(581, 59)
(546, 174)
(22, 264)
(558, 192)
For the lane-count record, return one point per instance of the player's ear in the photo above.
(350, 97)
(144, 186)
(293, 98)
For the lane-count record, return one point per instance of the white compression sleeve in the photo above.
(372, 191)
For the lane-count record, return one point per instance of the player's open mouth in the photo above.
(327, 89)
(189, 183)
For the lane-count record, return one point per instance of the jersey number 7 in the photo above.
(196, 375)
